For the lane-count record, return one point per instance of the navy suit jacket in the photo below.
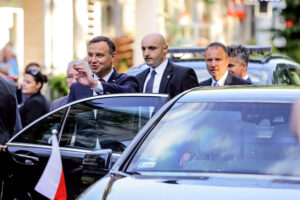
(117, 83)
(230, 80)
(175, 79)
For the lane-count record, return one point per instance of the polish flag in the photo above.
(52, 182)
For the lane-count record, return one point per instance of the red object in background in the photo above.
(289, 23)
(236, 8)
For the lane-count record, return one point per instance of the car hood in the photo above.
(225, 188)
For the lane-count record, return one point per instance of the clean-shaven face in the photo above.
(216, 62)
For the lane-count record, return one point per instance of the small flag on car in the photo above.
(52, 182)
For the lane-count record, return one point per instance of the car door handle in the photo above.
(25, 159)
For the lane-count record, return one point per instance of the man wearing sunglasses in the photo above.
(103, 79)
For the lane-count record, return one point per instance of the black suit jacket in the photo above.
(117, 83)
(175, 79)
(34, 107)
(7, 110)
(230, 80)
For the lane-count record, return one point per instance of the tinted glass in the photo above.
(221, 138)
(41, 132)
(109, 123)
(295, 75)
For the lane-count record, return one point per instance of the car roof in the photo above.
(263, 94)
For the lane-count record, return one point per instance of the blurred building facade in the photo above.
(53, 32)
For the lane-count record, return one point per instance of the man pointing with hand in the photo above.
(103, 79)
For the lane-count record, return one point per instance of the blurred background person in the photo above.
(11, 65)
(37, 104)
(21, 96)
(238, 61)
(71, 78)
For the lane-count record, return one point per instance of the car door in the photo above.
(26, 156)
(97, 124)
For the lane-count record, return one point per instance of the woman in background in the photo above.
(37, 104)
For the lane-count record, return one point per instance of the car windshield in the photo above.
(242, 138)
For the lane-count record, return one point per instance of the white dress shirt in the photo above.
(220, 82)
(246, 77)
(158, 76)
(99, 88)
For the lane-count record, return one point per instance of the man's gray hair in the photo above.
(239, 51)
(79, 62)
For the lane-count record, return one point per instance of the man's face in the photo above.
(236, 67)
(71, 76)
(154, 52)
(216, 62)
(99, 58)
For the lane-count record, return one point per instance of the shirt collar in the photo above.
(221, 81)
(105, 77)
(246, 77)
(160, 68)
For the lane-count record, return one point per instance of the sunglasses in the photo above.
(33, 72)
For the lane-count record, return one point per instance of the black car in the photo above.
(88, 130)
(211, 143)
(264, 68)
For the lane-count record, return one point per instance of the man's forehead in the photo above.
(215, 50)
(99, 46)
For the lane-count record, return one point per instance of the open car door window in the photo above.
(108, 123)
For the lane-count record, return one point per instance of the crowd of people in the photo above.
(227, 65)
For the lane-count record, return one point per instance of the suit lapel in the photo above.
(166, 78)
(142, 79)
(113, 76)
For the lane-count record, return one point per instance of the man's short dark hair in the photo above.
(217, 44)
(239, 51)
(109, 42)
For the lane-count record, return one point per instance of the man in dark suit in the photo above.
(238, 61)
(105, 79)
(8, 107)
(162, 75)
(216, 59)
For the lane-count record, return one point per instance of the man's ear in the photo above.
(244, 65)
(113, 56)
(165, 49)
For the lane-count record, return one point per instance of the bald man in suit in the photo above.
(162, 76)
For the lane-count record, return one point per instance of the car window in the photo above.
(295, 75)
(281, 76)
(108, 123)
(221, 138)
(41, 132)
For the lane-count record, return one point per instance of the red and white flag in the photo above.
(52, 182)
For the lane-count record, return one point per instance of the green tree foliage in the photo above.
(291, 33)
(58, 86)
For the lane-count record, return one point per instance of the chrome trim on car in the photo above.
(50, 147)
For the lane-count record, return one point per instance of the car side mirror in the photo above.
(97, 161)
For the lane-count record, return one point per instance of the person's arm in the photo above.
(295, 119)
(125, 84)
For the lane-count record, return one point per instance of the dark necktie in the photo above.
(101, 79)
(215, 84)
(149, 86)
